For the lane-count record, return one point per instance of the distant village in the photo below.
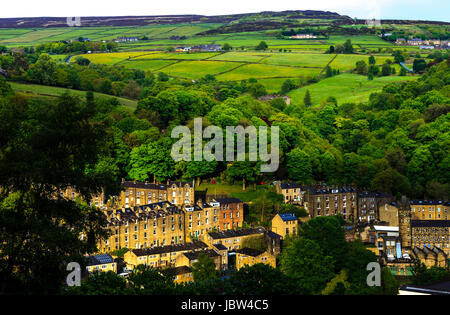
(421, 43)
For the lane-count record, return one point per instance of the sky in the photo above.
(437, 10)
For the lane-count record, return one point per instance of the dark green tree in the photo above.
(262, 46)
(204, 268)
(310, 268)
(57, 136)
(307, 99)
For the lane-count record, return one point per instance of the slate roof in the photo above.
(273, 235)
(331, 190)
(194, 255)
(169, 249)
(290, 185)
(234, 233)
(144, 185)
(99, 260)
(220, 247)
(367, 194)
(249, 252)
(177, 270)
(430, 223)
(287, 216)
(228, 200)
(429, 202)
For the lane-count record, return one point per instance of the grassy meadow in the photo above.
(34, 90)
(295, 59)
(345, 88)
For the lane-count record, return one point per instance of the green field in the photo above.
(198, 69)
(299, 60)
(33, 36)
(52, 91)
(147, 64)
(235, 65)
(348, 62)
(266, 71)
(111, 58)
(177, 55)
(345, 88)
(242, 56)
(273, 86)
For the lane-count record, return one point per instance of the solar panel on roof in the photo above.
(288, 216)
(104, 258)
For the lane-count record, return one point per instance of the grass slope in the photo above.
(52, 91)
(345, 88)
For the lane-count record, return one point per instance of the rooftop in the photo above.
(331, 190)
(177, 270)
(144, 185)
(249, 251)
(429, 202)
(287, 216)
(194, 255)
(386, 228)
(169, 249)
(99, 260)
(273, 235)
(234, 233)
(220, 247)
(430, 223)
(228, 200)
(289, 185)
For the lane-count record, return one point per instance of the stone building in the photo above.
(97, 200)
(182, 274)
(155, 224)
(232, 239)
(231, 214)
(389, 214)
(180, 193)
(160, 256)
(430, 234)
(136, 193)
(430, 210)
(285, 224)
(369, 204)
(250, 257)
(200, 219)
(189, 258)
(431, 256)
(103, 262)
(404, 222)
(292, 192)
(325, 201)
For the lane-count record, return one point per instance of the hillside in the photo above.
(261, 20)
